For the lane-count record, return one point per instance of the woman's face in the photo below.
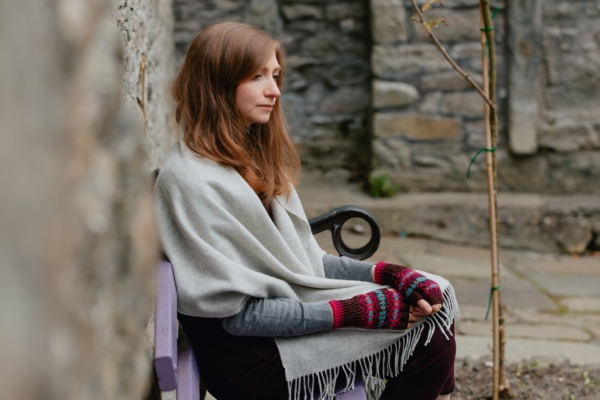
(256, 97)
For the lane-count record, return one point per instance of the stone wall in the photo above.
(326, 95)
(77, 238)
(427, 120)
(146, 28)
(424, 119)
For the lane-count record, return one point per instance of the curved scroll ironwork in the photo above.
(334, 220)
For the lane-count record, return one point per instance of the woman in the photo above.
(269, 313)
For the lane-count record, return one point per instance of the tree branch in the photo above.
(422, 21)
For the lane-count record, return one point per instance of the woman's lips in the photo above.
(266, 106)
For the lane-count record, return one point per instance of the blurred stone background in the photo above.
(363, 66)
(326, 96)
(84, 118)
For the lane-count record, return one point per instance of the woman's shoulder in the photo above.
(182, 165)
(187, 173)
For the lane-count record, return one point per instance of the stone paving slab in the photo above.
(582, 304)
(550, 332)
(564, 276)
(519, 293)
(561, 285)
(588, 267)
(453, 250)
(472, 312)
(452, 266)
(515, 293)
(469, 292)
(565, 318)
(595, 330)
(537, 331)
(522, 349)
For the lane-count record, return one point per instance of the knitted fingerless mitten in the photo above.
(379, 309)
(411, 284)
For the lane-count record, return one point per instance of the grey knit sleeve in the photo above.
(286, 317)
(279, 317)
(346, 268)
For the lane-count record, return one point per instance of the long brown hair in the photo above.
(220, 58)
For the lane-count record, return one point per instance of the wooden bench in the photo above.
(174, 361)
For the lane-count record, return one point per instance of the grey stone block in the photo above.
(568, 138)
(469, 104)
(265, 15)
(447, 81)
(389, 62)
(476, 134)
(431, 103)
(393, 94)
(523, 130)
(415, 126)
(524, 40)
(340, 11)
(467, 50)
(296, 11)
(351, 72)
(391, 153)
(345, 100)
(573, 233)
(388, 21)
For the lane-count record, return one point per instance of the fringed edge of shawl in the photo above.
(321, 385)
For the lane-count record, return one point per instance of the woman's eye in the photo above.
(257, 76)
(276, 77)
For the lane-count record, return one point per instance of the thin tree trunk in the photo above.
(488, 94)
(500, 385)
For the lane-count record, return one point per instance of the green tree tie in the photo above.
(475, 157)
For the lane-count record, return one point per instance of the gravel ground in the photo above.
(533, 379)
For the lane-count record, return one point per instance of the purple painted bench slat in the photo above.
(188, 376)
(358, 393)
(165, 328)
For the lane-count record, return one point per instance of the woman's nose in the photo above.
(272, 90)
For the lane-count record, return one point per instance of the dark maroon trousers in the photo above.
(248, 368)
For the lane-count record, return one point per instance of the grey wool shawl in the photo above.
(225, 248)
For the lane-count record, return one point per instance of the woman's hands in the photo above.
(418, 313)
(422, 293)
(411, 298)
(379, 309)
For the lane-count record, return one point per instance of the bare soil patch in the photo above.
(532, 379)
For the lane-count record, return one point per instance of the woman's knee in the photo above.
(442, 347)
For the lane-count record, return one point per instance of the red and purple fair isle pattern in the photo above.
(411, 284)
(379, 309)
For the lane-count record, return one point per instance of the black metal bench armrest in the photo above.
(335, 219)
